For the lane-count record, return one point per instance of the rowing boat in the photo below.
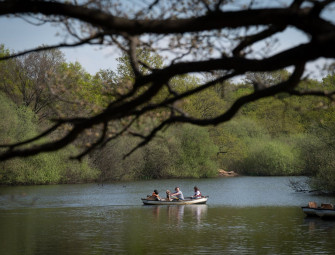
(325, 211)
(186, 201)
(319, 212)
(310, 212)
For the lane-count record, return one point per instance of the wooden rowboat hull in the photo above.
(311, 212)
(319, 212)
(202, 200)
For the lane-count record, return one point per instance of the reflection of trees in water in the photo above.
(316, 225)
(199, 211)
(176, 213)
(155, 211)
(19, 199)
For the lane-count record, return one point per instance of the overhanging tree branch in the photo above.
(211, 21)
(51, 47)
(271, 91)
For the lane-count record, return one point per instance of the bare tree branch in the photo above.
(271, 91)
(249, 40)
(301, 18)
(133, 42)
(327, 94)
(36, 138)
(56, 46)
(97, 143)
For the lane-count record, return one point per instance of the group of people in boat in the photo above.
(176, 195)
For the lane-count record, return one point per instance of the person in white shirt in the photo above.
(197, 193)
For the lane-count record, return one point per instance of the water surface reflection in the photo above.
(174, 214)
(187, 229)
(243, 216)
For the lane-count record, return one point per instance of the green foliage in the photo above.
(234, 138)
(320, 158)
(72, 171)
(183, 151)
(25, 79)
(113, 166)
(318, 153)
(206, 104)
(325, 178)
(9, 119)
(159, 159)
(20, 123)
(152, 60)
(275, 157)
(197, 157)
(46, 168)
(281, 135)
(246, 128)
(267, 79)
(250, 149)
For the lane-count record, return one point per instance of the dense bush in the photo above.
(274, 157)
(319, 161)
(234, 139)
(19, 123)
(160, 159)
(109, 160)
(325, 177)
(197, 157)
(46, 169)
(251, 150)
(181, 151)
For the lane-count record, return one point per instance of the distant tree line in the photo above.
(277, 136)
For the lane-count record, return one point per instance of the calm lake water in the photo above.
(244, 215)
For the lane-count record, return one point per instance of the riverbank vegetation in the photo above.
(280, 135)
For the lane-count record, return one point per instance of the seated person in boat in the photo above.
(168, 195)
(197, 193)
(177, 194)
(154, 196)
